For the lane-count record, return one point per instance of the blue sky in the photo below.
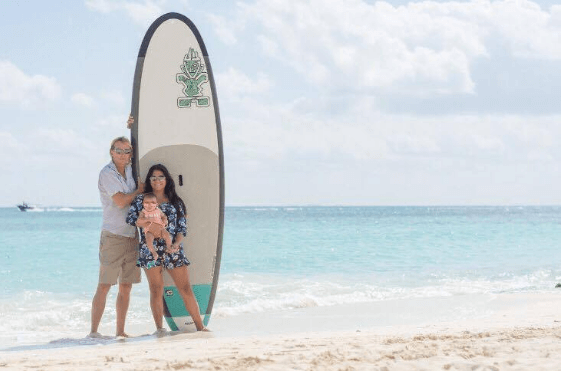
(322, 102)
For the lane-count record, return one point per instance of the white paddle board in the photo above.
(177, 124)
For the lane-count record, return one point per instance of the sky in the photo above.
(331, 102)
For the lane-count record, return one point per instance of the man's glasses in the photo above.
(120, 151)
(154, 178)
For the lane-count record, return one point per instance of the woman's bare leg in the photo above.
(156, 284)
(180, 276)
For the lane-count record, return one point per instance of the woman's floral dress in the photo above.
(175, 225)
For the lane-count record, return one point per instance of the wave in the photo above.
(73, 210)
(38, 317)
(32, 317)
(38, 209)
(35, 210)
(246, 294)
(261, 209)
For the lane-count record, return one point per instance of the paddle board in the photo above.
(177, 124)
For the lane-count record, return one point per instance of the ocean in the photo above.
(287, 268)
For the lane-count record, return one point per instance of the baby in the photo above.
(158, 221)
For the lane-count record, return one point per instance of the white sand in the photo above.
(517, 332)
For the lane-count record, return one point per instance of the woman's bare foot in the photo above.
(161, 332)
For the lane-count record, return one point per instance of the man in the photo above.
(119, 242)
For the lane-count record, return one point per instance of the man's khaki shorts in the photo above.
(117, 259)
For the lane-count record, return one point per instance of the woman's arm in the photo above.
(135, 211)
(175, 245)
(175, 228)
(164, 218)
(142, 220)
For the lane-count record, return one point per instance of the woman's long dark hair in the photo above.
(169, 190)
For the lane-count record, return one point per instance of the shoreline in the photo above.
(495, 332)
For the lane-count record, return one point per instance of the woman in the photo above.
(161, 184)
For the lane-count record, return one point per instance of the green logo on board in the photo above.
(193, 77)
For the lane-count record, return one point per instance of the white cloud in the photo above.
(224, 29)
(290, 132)
(62, 141)
(269, 46)
(142, 13)
(10, 146)
(43, 144)
(422, 47)
(413, 144)
(25, 90)
(114, 96)
(234, 83)
(103, 6)
(530, 31)
(354, 44)
(116, 121)
(83, 99)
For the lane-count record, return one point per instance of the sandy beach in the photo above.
(499, 349)
(518, 332)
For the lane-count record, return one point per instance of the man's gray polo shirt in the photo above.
(110, 183)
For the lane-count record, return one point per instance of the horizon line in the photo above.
(322, 205)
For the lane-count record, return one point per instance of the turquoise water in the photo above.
(391, 243)
(283, 258)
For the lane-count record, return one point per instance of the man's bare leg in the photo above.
(123, 299)
(98, 307)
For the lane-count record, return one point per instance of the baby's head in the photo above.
(150, 202)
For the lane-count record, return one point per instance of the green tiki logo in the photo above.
(193, 77)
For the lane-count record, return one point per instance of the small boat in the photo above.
(25, 206)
